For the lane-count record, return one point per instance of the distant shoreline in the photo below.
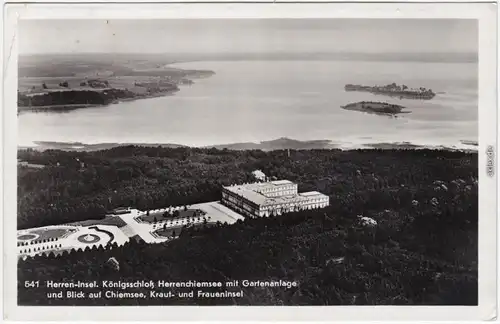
(452, 57)
(278, 144)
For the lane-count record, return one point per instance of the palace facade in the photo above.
(271, 198)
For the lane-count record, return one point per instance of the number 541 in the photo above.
(31, 284)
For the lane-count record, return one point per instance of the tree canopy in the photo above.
(423, 249)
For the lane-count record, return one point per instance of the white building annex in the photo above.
(259, 175)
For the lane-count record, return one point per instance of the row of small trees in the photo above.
(31, 242)
(91, 83)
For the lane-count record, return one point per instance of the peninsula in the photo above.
(83, 98)
(379, 108)
(394, 90)
(53, 83)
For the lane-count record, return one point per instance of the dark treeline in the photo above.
(73, 97)
(76, 186)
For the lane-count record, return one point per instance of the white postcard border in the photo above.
(484, 12)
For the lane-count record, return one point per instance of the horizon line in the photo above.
(255, 53)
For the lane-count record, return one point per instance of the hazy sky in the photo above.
(249, 36)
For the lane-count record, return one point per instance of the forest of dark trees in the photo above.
(72, 97)
(423, 249)
(80, 97)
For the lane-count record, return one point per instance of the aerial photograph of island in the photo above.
(278, 162)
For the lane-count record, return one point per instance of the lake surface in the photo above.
(251, 101)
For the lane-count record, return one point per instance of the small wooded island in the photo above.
(379, 108)
(394, 90)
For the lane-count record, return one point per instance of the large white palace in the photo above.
(274, 197)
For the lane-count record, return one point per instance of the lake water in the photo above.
(251, 101)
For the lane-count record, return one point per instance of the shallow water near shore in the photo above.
(253, 101)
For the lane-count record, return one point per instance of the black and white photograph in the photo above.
(249, 162)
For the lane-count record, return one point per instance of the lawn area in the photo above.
(108, 220)
(190, 213)
(177, 229)
(46, 234)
